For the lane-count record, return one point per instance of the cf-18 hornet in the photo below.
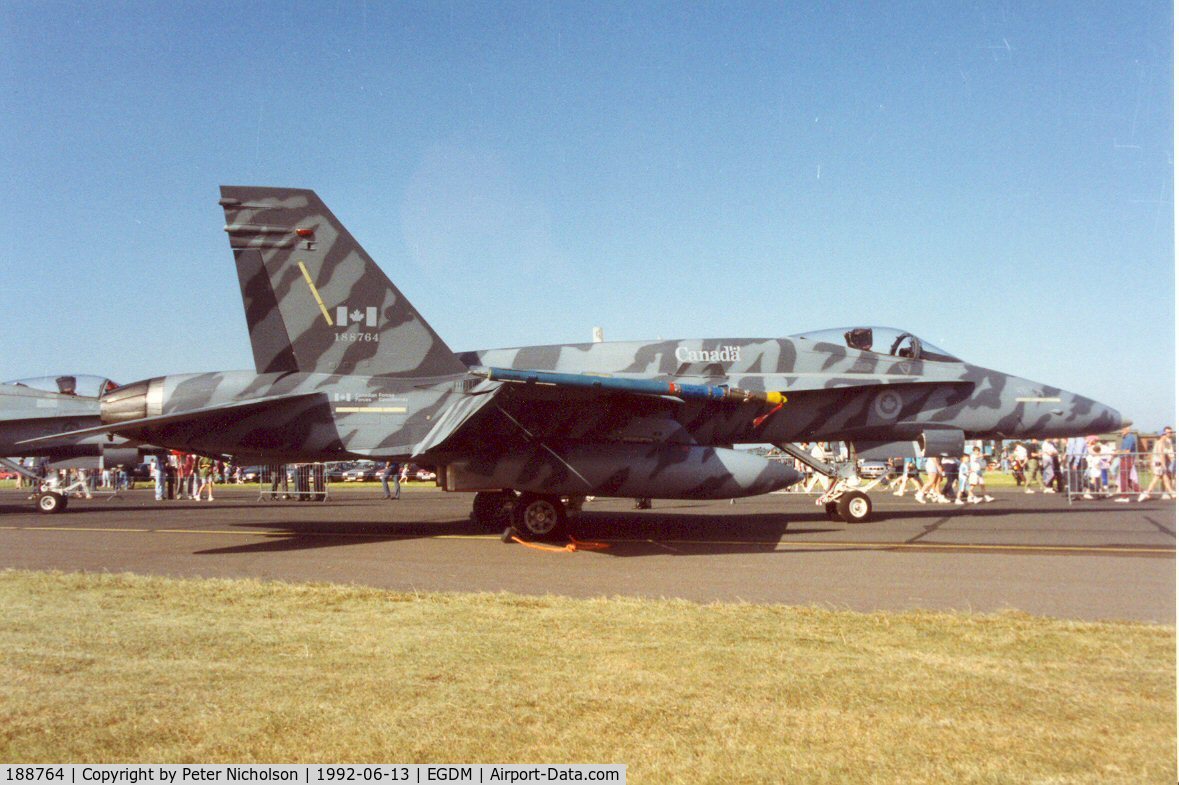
(346, 367)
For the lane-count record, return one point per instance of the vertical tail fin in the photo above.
(314, 300)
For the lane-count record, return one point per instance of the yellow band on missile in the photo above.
(775, 398)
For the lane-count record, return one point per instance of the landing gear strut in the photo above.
(49, 497)
(846, 499)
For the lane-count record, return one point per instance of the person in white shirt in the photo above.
(1162, 465)
(1051, 455)
(1019, 466)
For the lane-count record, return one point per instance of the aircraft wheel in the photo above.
(493, 509)
(832, 509)
(52, 502)
(855, 507)
(538, 517)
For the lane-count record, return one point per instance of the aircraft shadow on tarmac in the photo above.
(677, 531)
(630, 534)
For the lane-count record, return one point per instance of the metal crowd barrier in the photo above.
(302, 482)
(1117, 475)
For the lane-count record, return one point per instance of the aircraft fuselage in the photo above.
(834, 393)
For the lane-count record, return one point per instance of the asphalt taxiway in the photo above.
(1035, 553)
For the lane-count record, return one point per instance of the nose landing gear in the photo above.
(52, 502)
(846, 499)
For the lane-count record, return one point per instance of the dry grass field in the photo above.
(109, 668)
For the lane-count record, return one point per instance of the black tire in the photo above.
(832, 509)
(538, 517)
(51, 502)
(855, 507)
(492, 510)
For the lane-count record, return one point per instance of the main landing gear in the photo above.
(493, 509)
(540, 517)
(530, 516)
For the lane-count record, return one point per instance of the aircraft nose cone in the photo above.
(1045, 411)
(1113, 419)
(1104, 419)
(1081, 416)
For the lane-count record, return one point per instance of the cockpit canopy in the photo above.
(880, 340)
(82, 385)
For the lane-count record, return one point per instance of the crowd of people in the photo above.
(188, 476)
(947, 479)
(1090, 468)
(180, 476)
(1087, 467)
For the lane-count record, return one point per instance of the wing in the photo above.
(571, 434)
(534, 405)
(515, 406)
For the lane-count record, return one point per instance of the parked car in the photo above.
(424, 475)
(361, 472)
(334, 471)
(870, 470)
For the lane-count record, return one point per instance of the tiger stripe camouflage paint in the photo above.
(354, 370)
(835, 393)
(293, 258)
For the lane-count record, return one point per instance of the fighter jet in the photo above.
(346, 367)
(48, 409)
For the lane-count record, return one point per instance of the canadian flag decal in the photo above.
(346, 316)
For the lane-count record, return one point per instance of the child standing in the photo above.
(205, 471)
(978, 485)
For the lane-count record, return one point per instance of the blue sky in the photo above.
(997, 178)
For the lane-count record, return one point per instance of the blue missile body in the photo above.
(633, 386)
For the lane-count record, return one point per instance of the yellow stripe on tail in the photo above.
(327, 317)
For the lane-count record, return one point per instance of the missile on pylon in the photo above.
(685, 392)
